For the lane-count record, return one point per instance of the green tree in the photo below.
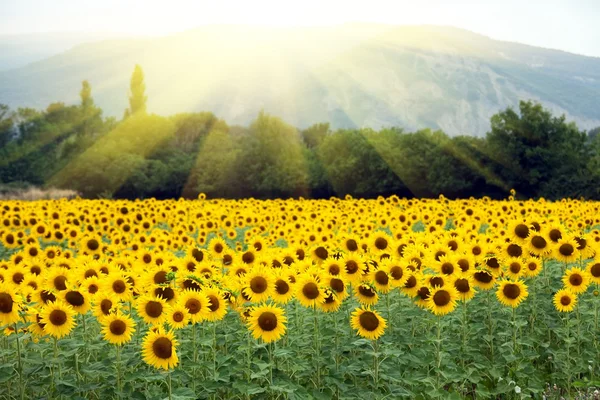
(6, 125)
(137, 93)
(537, 153)
(85, 94)
(271, 163)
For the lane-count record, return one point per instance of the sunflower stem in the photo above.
(376, 363)
(387, 307)
(20, 365)
(195, 357)
(214, 350)
(316, 345)
(169, 384)
(118, 365)
(490, 325)
(438, 350)
(464, 334)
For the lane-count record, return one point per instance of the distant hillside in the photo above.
(350, 75)
(19, 50)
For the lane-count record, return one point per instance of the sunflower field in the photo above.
(299, 299)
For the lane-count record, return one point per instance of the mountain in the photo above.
(350, 75)
(19, 50)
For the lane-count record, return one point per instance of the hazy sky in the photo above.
(571, 25)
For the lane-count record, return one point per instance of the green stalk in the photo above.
(316, 346)
(20, 365)
(118, 371)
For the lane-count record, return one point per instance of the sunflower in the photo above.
(9, 305)
(259, 284)
(218, 305)
(511, 293)
(465, 287)
(118, 284)
(338, 285)
(154, 310)
(217, 247)
(565, 300)
(368, 323)
(353, 268)
(423, 295)
(104, 304)
(56, 279)
(411, 285)
(537, 244)
(308, 291)
(566, 251)
(518, 231)
(36, 327)
(533, 267)
(484, 280)
(319, 253)
(442, 300)
(117, 328)
(78, 299)
(332, 302)
(196, 304)
(178, 316)
(576, 280)
(58, 319)
(351, 243)
(267, 323)
(90, 245)
(380, 242)
(284, 290)
(381, 279)
(593, 270)
(159, 349)
(515, 268)
(366, 294)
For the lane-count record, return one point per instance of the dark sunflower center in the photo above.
(18, 277)
(366, 291)
(337, 285)
(60, 282)
(538, 242)
(595, 270)
(441, 298)
(178, 316)
(476, 250)
(258, 284)
(447, 268)
(522, 231)
(453, 244)
(166, 293)
(47, 296)
(193, 306)
(6, 303)
(462, 285)
(351, 245)
(396, 272)
(89, 273)
(93, 288)
(162, 348)
(381, 243)
(119, 286)
(424, 293)
(515, 267)
(214, 303)
(58, 317)
(267, 321)
(565, 300)
(514, 250)
(411, 282)
(566, 249)
(93, 244)
(581, 243)
(575, 279)
(105, 306)
(191, 284)
(512, 291)
(154, 309)
(321, 252)
(248, 257)
(160, 277)
(555, 235)
(198, 255)
(75, 298)
(334, 269)
(493, 263)
(436, 281)
(368, 321)
(310, 290)
(382, 277)
(282, 286)
(35, 270)
(351, 266)
(117, 327)
(532, 266)
(483, 277)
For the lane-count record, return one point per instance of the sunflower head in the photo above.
(368, 323)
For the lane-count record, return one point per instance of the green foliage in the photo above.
(137, 92)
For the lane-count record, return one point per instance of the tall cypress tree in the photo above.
(137, 93)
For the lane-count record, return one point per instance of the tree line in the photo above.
(145, 155)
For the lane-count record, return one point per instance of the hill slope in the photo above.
(350, 75)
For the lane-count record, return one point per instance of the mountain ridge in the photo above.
(350, 75)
